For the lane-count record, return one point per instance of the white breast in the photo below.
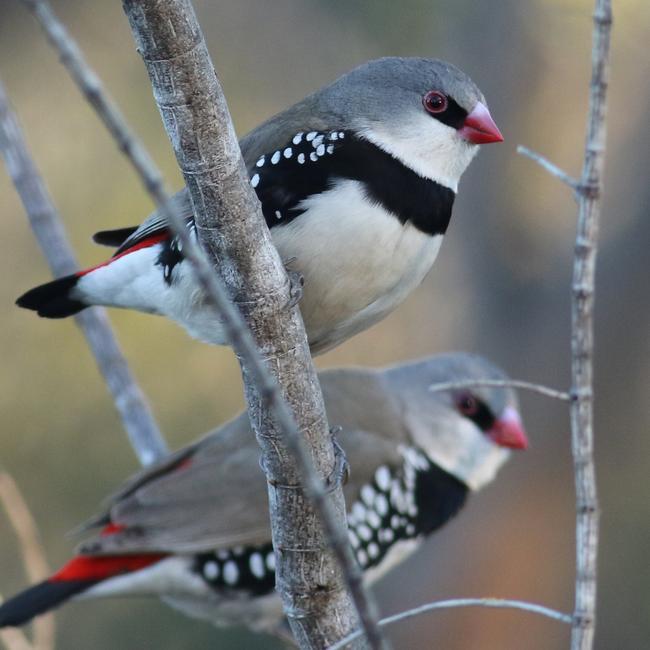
(358, 261)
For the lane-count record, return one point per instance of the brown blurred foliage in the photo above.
(500, 287)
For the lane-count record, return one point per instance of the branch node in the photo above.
(603, 16)
(587, 507)
(582, 620)
(582, 393)
(589, 189)
(582, 290)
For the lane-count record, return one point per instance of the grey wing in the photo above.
(213, 494)
(194, 501)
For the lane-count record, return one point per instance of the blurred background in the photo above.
(500, 287)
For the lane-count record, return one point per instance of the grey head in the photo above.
(467, 431)
(393, 87)
(425, 112)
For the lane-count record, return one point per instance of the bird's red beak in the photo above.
(479, 127)
(508, 430)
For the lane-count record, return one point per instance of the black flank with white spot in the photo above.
(398, 505)
(169, 257)
(250, 569)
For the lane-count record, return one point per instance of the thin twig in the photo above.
(14, 639)
(502, 383)
(34, 560)
(588, 192)
(237, 330)
(139, 423)
(497, 603)
(582, 335)
(550, 167)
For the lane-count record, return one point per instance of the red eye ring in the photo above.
(435, 102)
(467, 404)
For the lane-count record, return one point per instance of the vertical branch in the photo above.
(143, 432)
(231, 228)
(582, 306)
(588, 191)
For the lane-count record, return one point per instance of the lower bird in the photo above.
(194, 531)
(356, 182)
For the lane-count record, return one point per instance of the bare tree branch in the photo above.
(502, 383)
(231, 227)
(497, 603)
(588, 192)
(582, 306)
(308, 579)
(34, 561)
(143, 432)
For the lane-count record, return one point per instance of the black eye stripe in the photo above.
(472, 407)
(483, 417)
(454, 116)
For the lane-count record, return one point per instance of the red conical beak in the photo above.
(479, 127)
(508, 430)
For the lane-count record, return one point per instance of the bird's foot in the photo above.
(296, 283)
(341, 472)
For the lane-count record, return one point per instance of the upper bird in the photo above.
(194, 530)
(357, 183)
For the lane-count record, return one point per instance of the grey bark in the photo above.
(582, 337)
(142, 430)
(588, 191)
(231, 228)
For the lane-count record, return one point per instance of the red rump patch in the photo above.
(111, 529)
(100, 567)
(145, 243)
(184, 464)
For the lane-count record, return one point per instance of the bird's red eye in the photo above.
(467, 404)
(435, 101)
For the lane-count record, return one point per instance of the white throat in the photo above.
(460, 449)
(425, 145)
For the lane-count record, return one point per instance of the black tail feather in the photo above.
(52, 300)
(113, 237)
(39, 599)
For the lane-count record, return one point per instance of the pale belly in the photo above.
(357, 268)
